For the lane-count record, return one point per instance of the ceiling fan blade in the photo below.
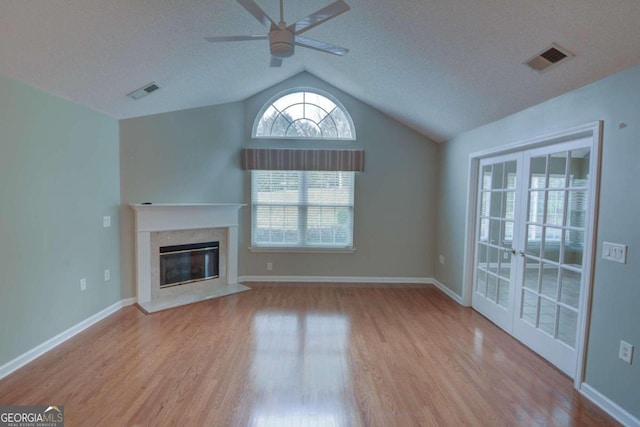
(257, 13)
(321, 46)
(235, 38)
(331, 11)
(275, 61)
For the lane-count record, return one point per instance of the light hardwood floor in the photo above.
(294, 356)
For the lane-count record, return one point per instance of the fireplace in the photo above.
(183, 264)
(185, 253)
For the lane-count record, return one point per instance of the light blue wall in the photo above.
(616, 290)
(59, 176)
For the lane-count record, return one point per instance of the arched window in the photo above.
(304, 113)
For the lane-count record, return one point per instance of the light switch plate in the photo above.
(626, 352)
(614, 252)
(106, 221)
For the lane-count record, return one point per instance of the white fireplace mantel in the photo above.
(150, 218)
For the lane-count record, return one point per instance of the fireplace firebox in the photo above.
(182, 264)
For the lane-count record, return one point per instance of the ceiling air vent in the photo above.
(143, 91)
(548, 58)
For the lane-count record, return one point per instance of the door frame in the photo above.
(591, 130)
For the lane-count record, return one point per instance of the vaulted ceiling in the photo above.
(439, 66)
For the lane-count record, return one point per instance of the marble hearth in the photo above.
(161, 225)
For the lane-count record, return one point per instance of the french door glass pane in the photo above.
(573, 248)
(493, 259)
(486, 177)
(497, 180)
(555, 208)
(503, 293)
(529, 307)
(485, 202)
(576, 207)
(536, 207)
(579, 169)
(538, 172)
(482, 255)
(481, 282)
(531, 274)
(492, 287)
(567, 326)
(510, 171)
(549, 286)
(552, 240)
(484, 230)
(547, 321)
(557, 170)
(509, 206)
(507, 237)
(496, 204)
(505, 264)
(570, 288)
(494, 232)
(534, 238)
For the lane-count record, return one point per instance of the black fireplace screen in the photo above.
(181, 264)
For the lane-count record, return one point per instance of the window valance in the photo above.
(302, 160)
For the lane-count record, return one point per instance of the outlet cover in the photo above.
(626, 352)
(107, 275)
(83, 284)
(269, 266)
(106, 221)
(441, 259)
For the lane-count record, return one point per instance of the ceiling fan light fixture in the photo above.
(281, 43)
(283, 38)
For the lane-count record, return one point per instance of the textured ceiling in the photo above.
(439, 66)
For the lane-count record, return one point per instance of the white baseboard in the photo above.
(129, 301)
(457, 298)
(337, 279)
(609, 406)
(41, 349)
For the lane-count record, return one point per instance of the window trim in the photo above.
(286, 92)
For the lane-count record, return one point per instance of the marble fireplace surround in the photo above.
(168, 224)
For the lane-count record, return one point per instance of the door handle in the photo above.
(521, 253)
(513, 251)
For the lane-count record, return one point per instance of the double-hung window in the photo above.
(300, 209)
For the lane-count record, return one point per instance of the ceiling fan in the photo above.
(283, 38)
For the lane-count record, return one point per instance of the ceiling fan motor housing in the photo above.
(281, 42)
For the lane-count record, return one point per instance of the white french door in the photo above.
(532, 233)
(495, 263)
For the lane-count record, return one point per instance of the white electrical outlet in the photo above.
(83, 284)
(626, 352)
(106, 221)
(269, 266)
(441, 259)
(107, 275)
(614, 252)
